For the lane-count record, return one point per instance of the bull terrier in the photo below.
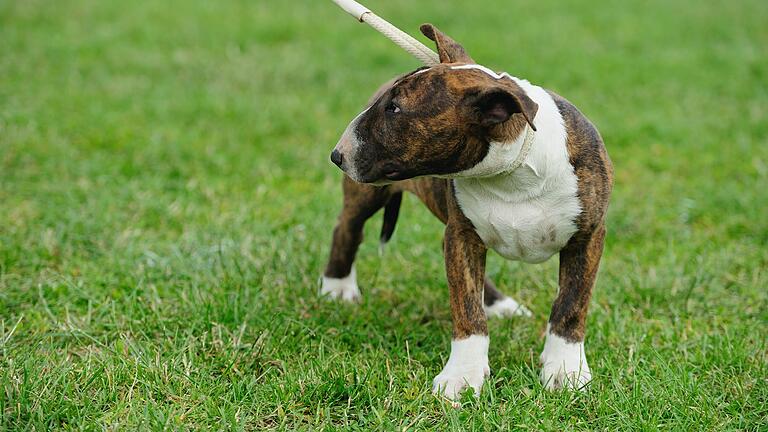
(505, 165)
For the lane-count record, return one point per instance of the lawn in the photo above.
(166, 205)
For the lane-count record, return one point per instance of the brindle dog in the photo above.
(505, 165)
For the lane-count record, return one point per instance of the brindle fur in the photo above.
(360, 203)
(464, 251)
(580, 258)
(465, 256)
(490, 293)
(448, 49)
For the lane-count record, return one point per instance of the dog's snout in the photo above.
(337, 158)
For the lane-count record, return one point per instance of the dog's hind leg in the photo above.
(496, 304)
(361, 201)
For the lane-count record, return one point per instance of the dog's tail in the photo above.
(391, 211)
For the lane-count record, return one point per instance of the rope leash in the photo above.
(399, 37)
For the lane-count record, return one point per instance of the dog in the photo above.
(505, 165)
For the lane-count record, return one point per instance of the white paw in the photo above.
(506, 307)
(451, 382)
(564, 364)
(344, 288)
(467, 367)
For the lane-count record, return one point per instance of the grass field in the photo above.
(166, 204)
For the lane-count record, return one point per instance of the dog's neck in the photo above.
(509, 146)
(543, 169)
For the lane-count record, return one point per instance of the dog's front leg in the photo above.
(467, 365)
(564, 364)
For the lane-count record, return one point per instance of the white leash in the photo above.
(401, 38)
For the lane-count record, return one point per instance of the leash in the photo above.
(399, 37)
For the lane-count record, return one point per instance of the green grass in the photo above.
(166, 204)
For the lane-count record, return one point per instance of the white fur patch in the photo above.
(467, 367)
(527, 214)
(349, 145)
(506, 307)
(341, 289)
(483, 69)
(563, 364)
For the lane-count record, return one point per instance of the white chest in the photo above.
(516, 223)
(527, 214)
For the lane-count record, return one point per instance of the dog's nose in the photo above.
(336, 157)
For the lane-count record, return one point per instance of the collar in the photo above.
(524, 150)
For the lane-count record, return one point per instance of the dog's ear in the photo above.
(448, 49)
(496, 105)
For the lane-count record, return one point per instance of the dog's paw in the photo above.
(341, 288)
(564, 365)
(506, 307)
(467, 367)
(451, 382)
(556, 376)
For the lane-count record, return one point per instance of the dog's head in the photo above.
(433, 121)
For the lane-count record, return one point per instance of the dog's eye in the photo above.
(392, 108)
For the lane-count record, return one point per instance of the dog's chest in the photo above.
(528, 214)
(521, 216)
